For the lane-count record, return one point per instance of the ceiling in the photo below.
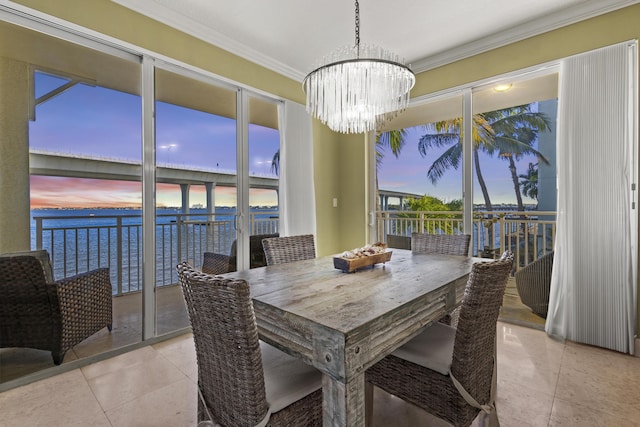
(290, 36)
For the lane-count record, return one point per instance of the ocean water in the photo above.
(80, 240)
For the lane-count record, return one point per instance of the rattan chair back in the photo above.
(475, 342)
(24, 290)
(534, 284)
(230, 372)
(399, 242)
(214, 263)
(449, 244)
(446, 244)
(281, 250)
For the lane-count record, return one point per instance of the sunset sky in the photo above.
(103, 123)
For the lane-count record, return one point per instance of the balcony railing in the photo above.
(528, 234)
(81, 243)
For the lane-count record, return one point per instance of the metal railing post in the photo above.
(502, 233)
(119, 252)
(38, 233)
(179, 236)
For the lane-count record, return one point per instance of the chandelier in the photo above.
(357, 88)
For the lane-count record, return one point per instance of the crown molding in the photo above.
(169, 17)
(562, 18)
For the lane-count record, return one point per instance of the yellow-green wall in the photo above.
(590, 34)
(326, 153)
(14, 165)
(109, 18)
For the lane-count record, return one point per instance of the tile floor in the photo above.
(172, 316)
(541, 382)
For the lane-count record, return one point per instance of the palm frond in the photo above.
(449, 159)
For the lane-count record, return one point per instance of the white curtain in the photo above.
(594, 284)
(297, 201)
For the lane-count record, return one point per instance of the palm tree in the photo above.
(449, 132)
(516, 130)
(510, 132)
(529, 181)
(393, 140)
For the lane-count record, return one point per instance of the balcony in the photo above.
(528, 234)
(80, 243)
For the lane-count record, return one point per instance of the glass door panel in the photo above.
(195, 185)
(85, 148)
(419, 171)
(264, 169)
(514, 167)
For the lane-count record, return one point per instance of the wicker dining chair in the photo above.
(38, 312)
(214, 263)
(399, 242)
(280, 250)
(533, 282)
(241, 380)
(448, 244)
(425, 370)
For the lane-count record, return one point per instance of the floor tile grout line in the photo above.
(104, 412)
(555, 391)
(158, 354)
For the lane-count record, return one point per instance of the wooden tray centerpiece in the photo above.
(367, 256)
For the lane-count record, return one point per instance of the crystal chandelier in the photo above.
(357, 88)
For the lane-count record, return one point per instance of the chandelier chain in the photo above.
(358, 28)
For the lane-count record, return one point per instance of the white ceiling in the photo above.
(290, 36)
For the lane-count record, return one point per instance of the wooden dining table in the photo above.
(343, 323)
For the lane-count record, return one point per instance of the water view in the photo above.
(79, 240)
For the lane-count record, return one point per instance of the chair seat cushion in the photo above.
(432, 348)
(286, 378)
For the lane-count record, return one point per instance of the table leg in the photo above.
(343, 403)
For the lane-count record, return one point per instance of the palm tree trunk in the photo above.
(516, 187)
(483, 185)
(516, 184)
(487, 201)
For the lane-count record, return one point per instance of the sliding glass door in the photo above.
(514, 179)
(196, 181)
(419, 186)
(263, 173)
(83, 177)
(134, 165)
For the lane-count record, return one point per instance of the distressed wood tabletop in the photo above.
(342, 323)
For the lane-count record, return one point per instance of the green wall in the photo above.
(604, 30)
(107, 17)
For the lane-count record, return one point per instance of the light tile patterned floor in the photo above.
(541, 382)
(172, 315)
